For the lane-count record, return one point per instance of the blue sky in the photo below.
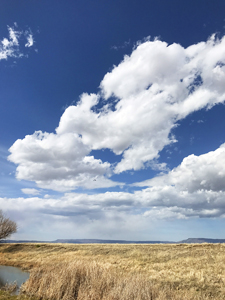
(112, 118)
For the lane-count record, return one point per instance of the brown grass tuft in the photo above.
(93, 281)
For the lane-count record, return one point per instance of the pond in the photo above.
(12, 274)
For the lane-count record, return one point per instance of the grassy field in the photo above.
(115, 271)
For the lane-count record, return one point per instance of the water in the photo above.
(12, 274)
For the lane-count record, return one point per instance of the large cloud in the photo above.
(153, 88)
(58, 162)
(195, 173)
(130, 215)
(195, 189)
(143, 98)
(197, 186)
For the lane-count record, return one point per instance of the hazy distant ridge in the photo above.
(202, 240)
(98, 241)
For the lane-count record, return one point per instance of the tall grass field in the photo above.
(119, 272)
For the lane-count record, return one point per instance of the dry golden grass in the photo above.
(6, 295)
(112, 271)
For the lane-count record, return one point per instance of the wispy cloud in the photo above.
(30, 191)
(11, 46)
(30, 39)
(123, 46)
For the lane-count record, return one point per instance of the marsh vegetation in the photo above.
(119, 272)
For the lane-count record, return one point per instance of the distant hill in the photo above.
(87, 241)
(98, 241)
(21, 241)
(201, 240)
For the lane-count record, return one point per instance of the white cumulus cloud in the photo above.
(123, 214)
(153, 88)
(139, 103)
(58, 162)
(203, 172)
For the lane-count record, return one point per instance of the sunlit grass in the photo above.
(115, 271)
(5, 295)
